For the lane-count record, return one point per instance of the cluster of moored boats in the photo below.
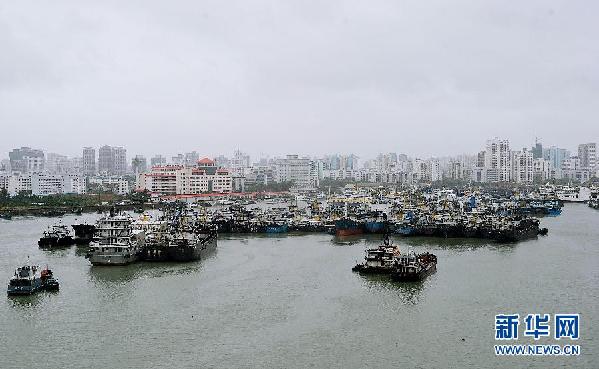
(175, 236)
(119, 239)
(440, 213)
(402, 267)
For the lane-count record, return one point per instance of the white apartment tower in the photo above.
(498, 160)
(522, 166)
(301, 171)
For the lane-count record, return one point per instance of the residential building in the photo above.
(522, 166)
(205, 177)
(57, 164)
(158, 160)
(26, 160)
(240, 164)
(106, 160)
(120, 160)
(498, 160)
(42, 184)
(112, 160)
(541, 170)
(116, 184)
(139, 164)
(301, 171)
(89, 161)
(588, 155)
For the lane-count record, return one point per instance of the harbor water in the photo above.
(292, 301)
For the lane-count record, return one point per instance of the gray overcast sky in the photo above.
(420, 77)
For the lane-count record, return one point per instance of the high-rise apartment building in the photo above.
(89, 161)
(498, 161)
(587, 153)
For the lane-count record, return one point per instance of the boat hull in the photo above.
(415, 277)
(277, 229)
(348, 227)
(25, 290)
(365, 269)
(375, 227)
(113, 259)
(49, 242)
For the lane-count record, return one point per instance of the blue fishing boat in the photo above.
(375, 226)
(277, 228)
(553, 212)
(404, 229)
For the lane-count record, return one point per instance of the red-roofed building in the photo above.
(206, 161)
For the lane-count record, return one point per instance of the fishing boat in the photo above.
(26, 281)
(404, 229)
(118, 243)
(518, 230)
(573, 194)
(412, 267)
(375, 226)
(348, 227)
(276, 228)
(180, 238)
(380, 260)
(56, 236)
(49, 283)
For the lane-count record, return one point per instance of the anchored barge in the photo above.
(84, 233)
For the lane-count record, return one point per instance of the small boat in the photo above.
(49, 283)
(413, 267)
(25, 281)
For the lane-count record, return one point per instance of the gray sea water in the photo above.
(293, 302)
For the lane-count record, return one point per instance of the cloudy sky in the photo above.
(426, 78)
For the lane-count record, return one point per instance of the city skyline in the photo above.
(298, 77)
(255, 158)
